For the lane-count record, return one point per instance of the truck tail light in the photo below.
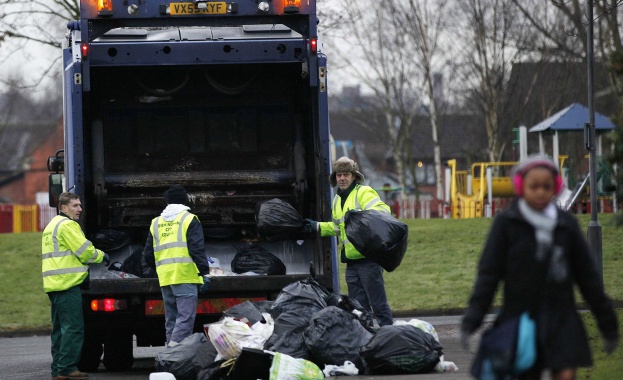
(313, 45)
(209, 306)
(108, 304)
(84, 48)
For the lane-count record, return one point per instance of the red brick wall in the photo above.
(23, 189)
(36, 178)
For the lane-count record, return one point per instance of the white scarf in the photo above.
(544, 223)
(171, 211)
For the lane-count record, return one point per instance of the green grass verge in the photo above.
(437, 272)
(23, 305)
(605, 366)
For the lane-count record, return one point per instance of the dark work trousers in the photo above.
(365, 284)
(67, 330)
(180, 306)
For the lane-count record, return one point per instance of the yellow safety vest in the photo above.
(65, 254)
(360, 195)
(173, 262)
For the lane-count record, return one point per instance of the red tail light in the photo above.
(313, 44)
(84, 48)
(108, 305)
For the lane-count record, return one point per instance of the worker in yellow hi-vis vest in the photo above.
(364, 277)
(175, 247)
(66, 253)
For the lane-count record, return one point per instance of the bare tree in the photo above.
(34, 23)
(380, 60)
(423, 21)
(490, 49)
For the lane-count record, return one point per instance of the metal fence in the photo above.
(15, 218)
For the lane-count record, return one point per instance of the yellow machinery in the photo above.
(466, 205)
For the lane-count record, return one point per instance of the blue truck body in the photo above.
(228, 99)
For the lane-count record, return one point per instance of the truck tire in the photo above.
(118, 351)
(92, 350)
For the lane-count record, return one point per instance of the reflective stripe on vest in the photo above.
(173, 262)
(52, 280)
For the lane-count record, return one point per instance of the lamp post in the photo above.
(594, 235)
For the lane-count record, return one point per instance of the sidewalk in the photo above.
(448, 328)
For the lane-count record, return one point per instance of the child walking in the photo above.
(538, 251)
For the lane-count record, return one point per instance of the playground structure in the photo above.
(467, 190)
(471, 193)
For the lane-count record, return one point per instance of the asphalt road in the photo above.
(27, 358)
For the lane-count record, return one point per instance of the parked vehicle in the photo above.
(226, 98)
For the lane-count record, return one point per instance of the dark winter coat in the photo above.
(509, 257)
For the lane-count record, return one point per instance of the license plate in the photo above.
(212, 8)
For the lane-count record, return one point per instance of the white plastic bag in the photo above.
(161, 376)
(348, 368)
(285, 367)
(420, 324)
(229, 336)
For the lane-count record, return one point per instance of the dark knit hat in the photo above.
(346, 165)
(176, 195)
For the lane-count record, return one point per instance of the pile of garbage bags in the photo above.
(306, 332)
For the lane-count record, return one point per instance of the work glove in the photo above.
(610, 344)
(106, 259)
(465, 335)
(206, 285)
(310, 226)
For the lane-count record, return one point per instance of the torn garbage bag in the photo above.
(344, 302)
(256, 259)
(401, 349)
(277, 220)
(335, 336)
(378, 236)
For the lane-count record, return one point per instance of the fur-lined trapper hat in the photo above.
(346, 165)
(176, 195)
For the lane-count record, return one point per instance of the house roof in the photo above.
(572, 118)
(17, 142)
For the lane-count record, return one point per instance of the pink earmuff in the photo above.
(518, 184)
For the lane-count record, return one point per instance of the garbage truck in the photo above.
(227, 98)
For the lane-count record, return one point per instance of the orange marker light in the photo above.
(104, 5)
(84, 48)
(291, 6)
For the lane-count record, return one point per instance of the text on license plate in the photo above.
(212, 8)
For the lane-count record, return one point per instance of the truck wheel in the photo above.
(91, 352)
(118, 351)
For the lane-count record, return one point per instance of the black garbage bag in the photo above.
(219, 370)
(289, 341)
(344, 302)
(378, 236)
(204, 357)
(135, 264)
(254, 258)
(403, 349)
(111, 240)
(277, 220)
(244, 312)
(300, 297)
(292, 310)
(334, 336)
(178, 360)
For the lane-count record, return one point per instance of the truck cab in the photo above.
(228, 99)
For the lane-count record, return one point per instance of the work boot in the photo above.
(75, 375)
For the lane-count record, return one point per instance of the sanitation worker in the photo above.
(66, 253)
(364, 277)
(175, 247)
